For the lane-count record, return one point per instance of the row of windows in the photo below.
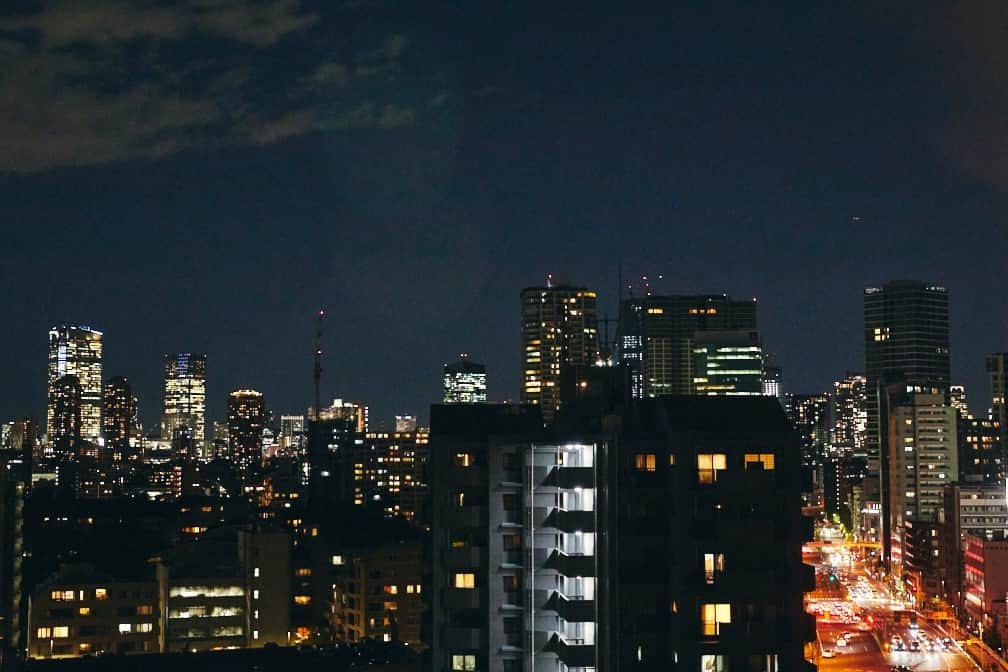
(63, 631)
(71, 595)
(708, 464)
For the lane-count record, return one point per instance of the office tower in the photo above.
(12, 493)
(354, 413)
(184, 398)
(465, 382)
(727, 363)
(77, 351)
(118, 417)
(906, 343)
(809, 415)
(246, 415)
(978, 510)
(292, 433)
(923, 457)
(405, 424)
(659, 332)
(980, 455)
(66, 399)
(772, 382)
(850, 416)
(559, 329)
(957, 399)
(661, 538)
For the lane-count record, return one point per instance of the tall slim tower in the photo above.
(118, 417)
(184, 396)
(246, 415)
(77, 351)
(850, 416)
(65, 428)
(559, 328)
(906, 329)
(997, 370)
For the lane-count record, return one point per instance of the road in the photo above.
(847, 601)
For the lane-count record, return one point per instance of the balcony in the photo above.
(463, 558)
(461, 598)
(571, 477)
(571, 521)
(572, 610)
(571, 565)
(573, 653)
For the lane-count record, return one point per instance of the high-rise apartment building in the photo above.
(184, 398)
(727, 363)
(77, 351)
(246, 414)
(12, 493)
(465, 382)
(661, 538)
(809, 415)
(659, 335)
(65, 432)
(559, 329)
(293, 437)
(773, 385)
(118, 418)
(923, 458)
(997, 371)
(906, 335)
(848, 437)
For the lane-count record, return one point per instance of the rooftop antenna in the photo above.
(318, 361)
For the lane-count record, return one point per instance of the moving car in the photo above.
(827, 652)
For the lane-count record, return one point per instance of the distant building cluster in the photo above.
(641, 506)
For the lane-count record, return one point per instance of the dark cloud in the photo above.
(94, 81)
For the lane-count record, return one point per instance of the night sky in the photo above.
(204, 174)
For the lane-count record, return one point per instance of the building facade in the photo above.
(559, 328)
(77, 351)
(809, 414)
(658, 337)
(465, 382)
(246, 413)
(727, 363)
(66, 425)
(118, 419)
(184, 418)
(848, 436)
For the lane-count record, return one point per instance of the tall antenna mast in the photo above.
(318, 361)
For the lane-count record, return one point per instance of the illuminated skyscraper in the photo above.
(906, 329)
(292, 433)
(246, 414)
(77, 351)
(118, 417)
(184, 397)
(997, 370)
(465, 382)
(850, 416)
(354, 413)
(772, 383)
(809, 415)
(659, 333)
(65, 394)
(727, 363)
(559, 328)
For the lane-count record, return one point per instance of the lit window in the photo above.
(766, 460)
(387, 637)
(125, 628)
(337, 560)
(84, 647)
(644, 462)
(304, 571)
(62, 596)
(145, 610)
(255, 594)
(302, 599)
(409, 588)
(713, 565)
(43, 633)
(418, 589)
(463, 663)
(465, 580)
(463, 459)
(100, 594)
(709, 663)
(671, 459)
(708, 464)
(255, 634)
(144, 627)
(713, 616)
(460, 499)
(391, 589)
(61, 632)
(84, 611)
(255, 572)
